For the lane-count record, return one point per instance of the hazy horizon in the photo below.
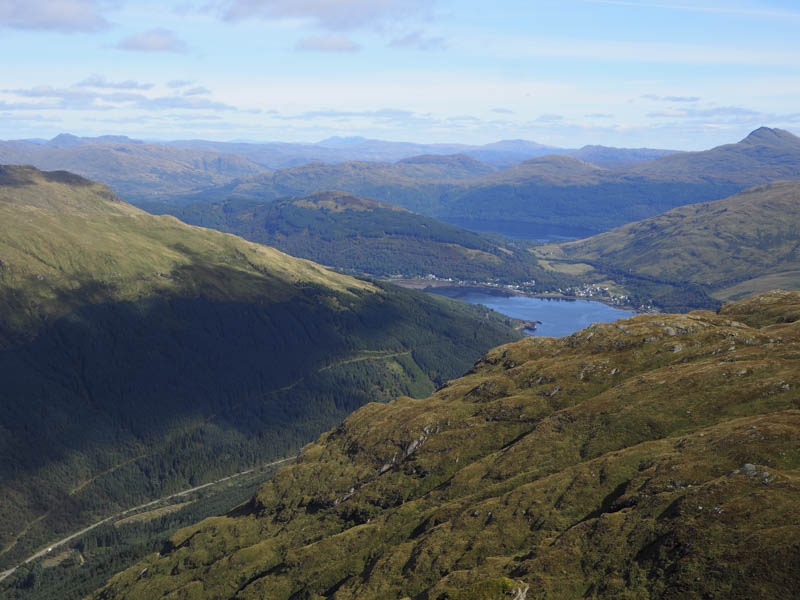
(628, 73)
(322, 141)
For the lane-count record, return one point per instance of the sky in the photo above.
(681, 74)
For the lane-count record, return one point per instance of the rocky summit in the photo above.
(656, 457)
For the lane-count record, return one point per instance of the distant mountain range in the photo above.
(501, 154)
(540, 197)
(140, 355)
(514, 187)
(141, 171)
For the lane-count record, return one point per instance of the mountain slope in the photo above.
(135, 170)
(763, 156)
(734, 247)
(576, 201)
(656, 457)
(141, 356)
(347, 232)
(606, 157)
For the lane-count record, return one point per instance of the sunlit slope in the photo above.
(139, 355)
(741, 245)
(655, 457)
(66, 241)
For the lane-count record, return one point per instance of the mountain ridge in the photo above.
(654, 457)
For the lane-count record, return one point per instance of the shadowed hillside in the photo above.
(140, 356)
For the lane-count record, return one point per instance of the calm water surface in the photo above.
(558, 317)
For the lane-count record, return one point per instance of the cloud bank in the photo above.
(155, 40)
(64, 16)
(327, 43)
(335, 15)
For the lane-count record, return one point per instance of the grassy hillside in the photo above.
(653, 458)
(548, 195)
(732, 248)
(347, 232)
(135, 170)
(763, 156)
(140, 356)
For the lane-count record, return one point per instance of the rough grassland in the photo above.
(658, 457)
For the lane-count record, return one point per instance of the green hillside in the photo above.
(140, 356)
(543, 196)
(763, 156)
(347, 232)
(732, 248)
(658, 457)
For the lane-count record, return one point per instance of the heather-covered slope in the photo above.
(140, 356)
(653, 458)
(733, 248)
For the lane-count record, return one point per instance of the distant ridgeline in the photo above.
(548, 195)
(140, 356)
(657, 457)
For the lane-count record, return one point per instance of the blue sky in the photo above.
(660, 73)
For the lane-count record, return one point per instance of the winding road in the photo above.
(69, 538)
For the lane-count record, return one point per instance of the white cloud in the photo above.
(182, 102)
(76, 98)
(477, 42)
(155, 40)
(386, 114)
(99, 81)
(694, 7)
(327, 43)
(706, 113)
(336, 15)
(72, 98)
(670, 98)
(179, 83)
(196, 91)
(419, 41)
(65, 16)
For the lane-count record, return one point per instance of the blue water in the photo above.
(558, 317)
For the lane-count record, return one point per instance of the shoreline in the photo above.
(431, 286)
